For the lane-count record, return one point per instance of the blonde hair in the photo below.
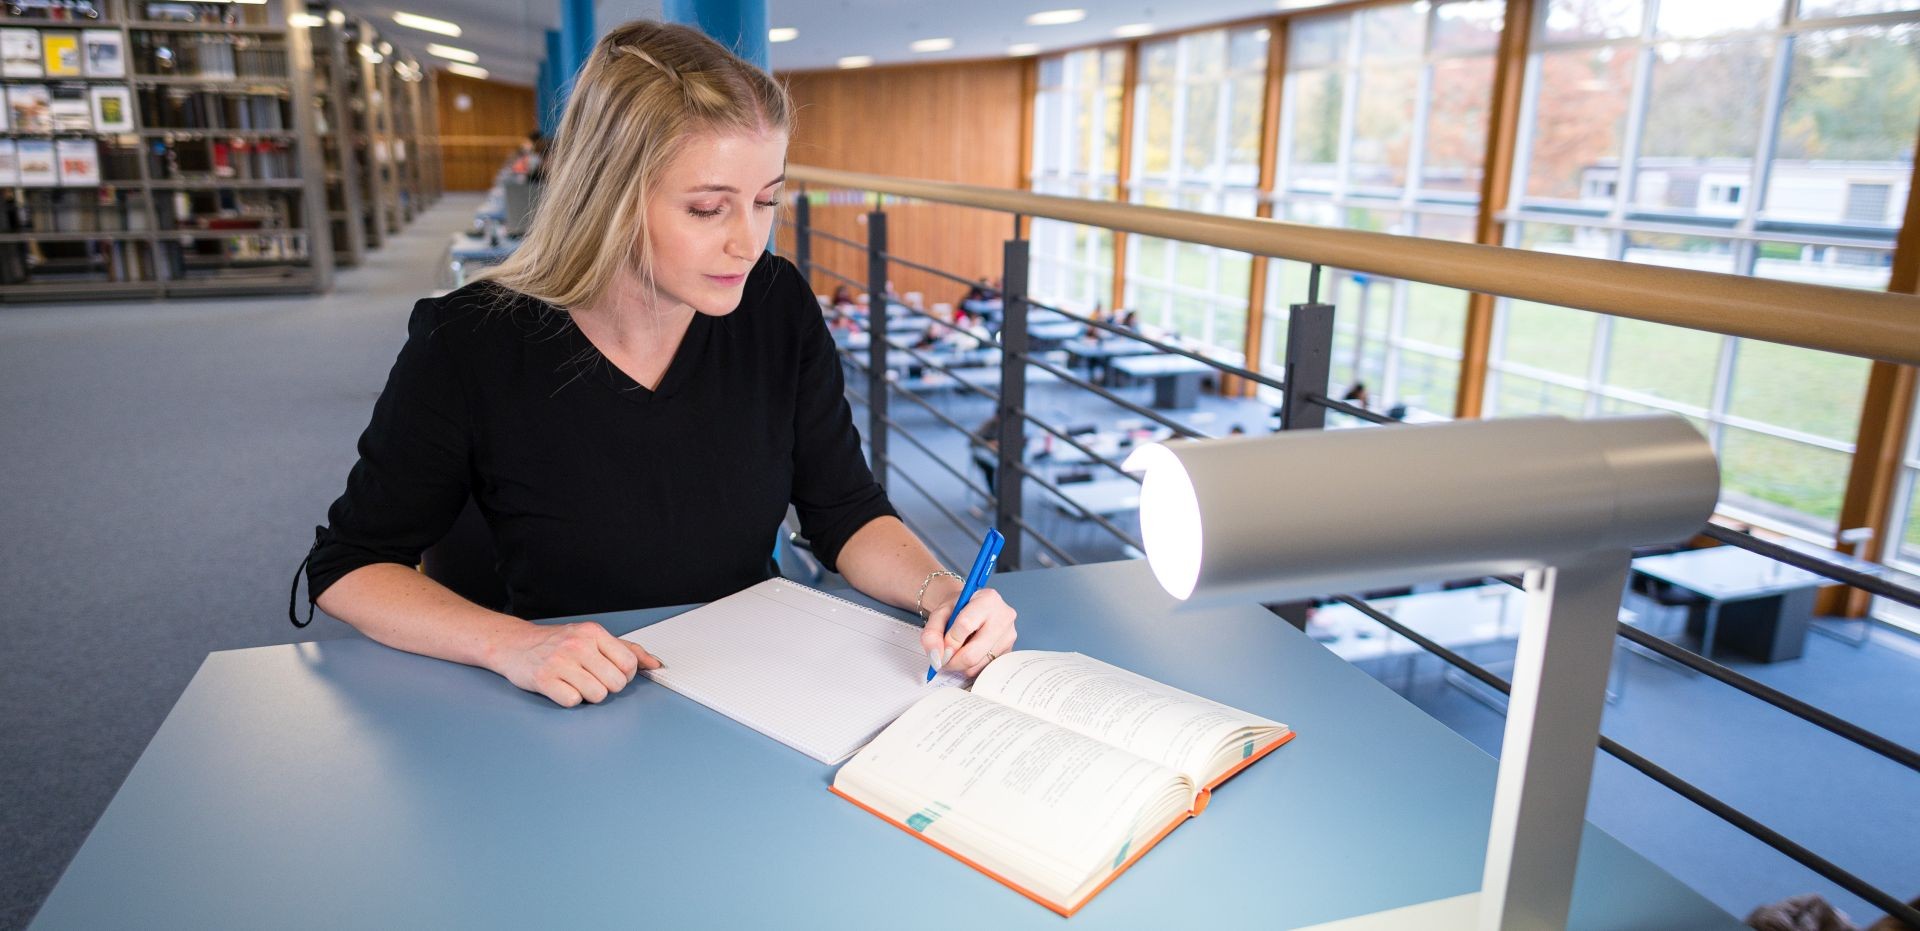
(644, 90)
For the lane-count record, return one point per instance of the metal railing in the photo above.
(1874, 325)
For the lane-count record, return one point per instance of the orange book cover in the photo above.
(1067, 909)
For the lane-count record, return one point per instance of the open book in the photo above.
(1055, 773)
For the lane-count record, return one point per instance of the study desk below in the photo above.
(341, 784)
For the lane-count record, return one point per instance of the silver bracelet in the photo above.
(929, 581)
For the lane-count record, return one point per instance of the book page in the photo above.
(1180, 730)
(1027, 796)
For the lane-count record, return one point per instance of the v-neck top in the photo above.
(600, 494)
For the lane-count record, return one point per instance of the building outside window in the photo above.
(1196, 146)
(1717, 135)
(1384, 128)
(1076, 153)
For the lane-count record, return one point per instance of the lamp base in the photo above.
(1460, 913)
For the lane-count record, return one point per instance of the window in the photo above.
(1197, 112)
(1646, 139)
(1384, 128)
(1076, 153)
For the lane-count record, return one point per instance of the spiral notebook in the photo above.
(820, 674)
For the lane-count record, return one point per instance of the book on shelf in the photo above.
(1055, 773)
(9, 164)
(30, 108)
(20, 53)
(60, 52)
(37, 163)
(104, 52)
(79, 162)
(112, 109)
(70, 108)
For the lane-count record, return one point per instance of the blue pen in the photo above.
(976, 580)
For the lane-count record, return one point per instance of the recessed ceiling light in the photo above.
(1134, 30)
(782, 34)
(932, 45)
(856, 61)
(306, 21)
(450, 53)
(478, 74)
(386, 48)
(336, 17)
(367, 52)
(427, 24)
(1056, 17)
(1023, 49)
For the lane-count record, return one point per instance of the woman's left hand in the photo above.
(982, 633)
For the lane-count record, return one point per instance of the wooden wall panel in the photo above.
(950, 122)
(475, 141)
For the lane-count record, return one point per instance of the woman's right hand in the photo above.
(570, 663)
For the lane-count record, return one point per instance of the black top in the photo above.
(600, 494)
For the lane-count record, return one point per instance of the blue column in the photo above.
(548, 112)
(740, 25)
(576, 37)
(560, 72)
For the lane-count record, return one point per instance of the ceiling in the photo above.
(509, 35)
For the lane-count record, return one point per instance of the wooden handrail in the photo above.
(1868, 324)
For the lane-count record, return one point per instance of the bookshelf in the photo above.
(156, 150)
(334, 85)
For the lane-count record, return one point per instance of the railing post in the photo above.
(877, 344)
(803, 238)
(1309, 362)
(1013, 398)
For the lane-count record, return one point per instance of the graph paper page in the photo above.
(816, 673)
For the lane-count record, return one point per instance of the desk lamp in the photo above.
(1561, 501)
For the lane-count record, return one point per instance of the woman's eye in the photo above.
(769, 204)
(696, 211)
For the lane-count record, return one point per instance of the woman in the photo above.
(633, 400)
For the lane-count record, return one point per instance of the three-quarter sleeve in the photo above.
(833, 489)
(413, 477)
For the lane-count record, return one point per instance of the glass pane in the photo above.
(1206, 54)
(1383, 127)
(1428, 382)
(1435, 315)
(1160, 60)
(1547, 337)
(1460, 93)
(1578, 119)
(1817, 9)
(1444, 226)
(1200, 142)
(1189, 317)
(1801, 389)
(1829, 265)
(1703, 126)
(1910, 540)
(1701, 253)
(1193, 267)
(1846, 130)
(1236, 275)
(1052, 71)
(1149, 256)
(1665, 362)
(1593, 19)
(1473, 26)
(1243, 129)
(1517, 394)
(1247, 50)
(1230, 327)
(1761, 470)
(1398, 31)
(1693, 18)
(1157, 154)
(1314, 110)
(1316, 43)
(1587, 241)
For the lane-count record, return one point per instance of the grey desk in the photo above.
(1176, 379)
(344, 785)
(1098, 355)
(1765, 604)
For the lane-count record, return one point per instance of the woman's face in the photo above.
(710, 216)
